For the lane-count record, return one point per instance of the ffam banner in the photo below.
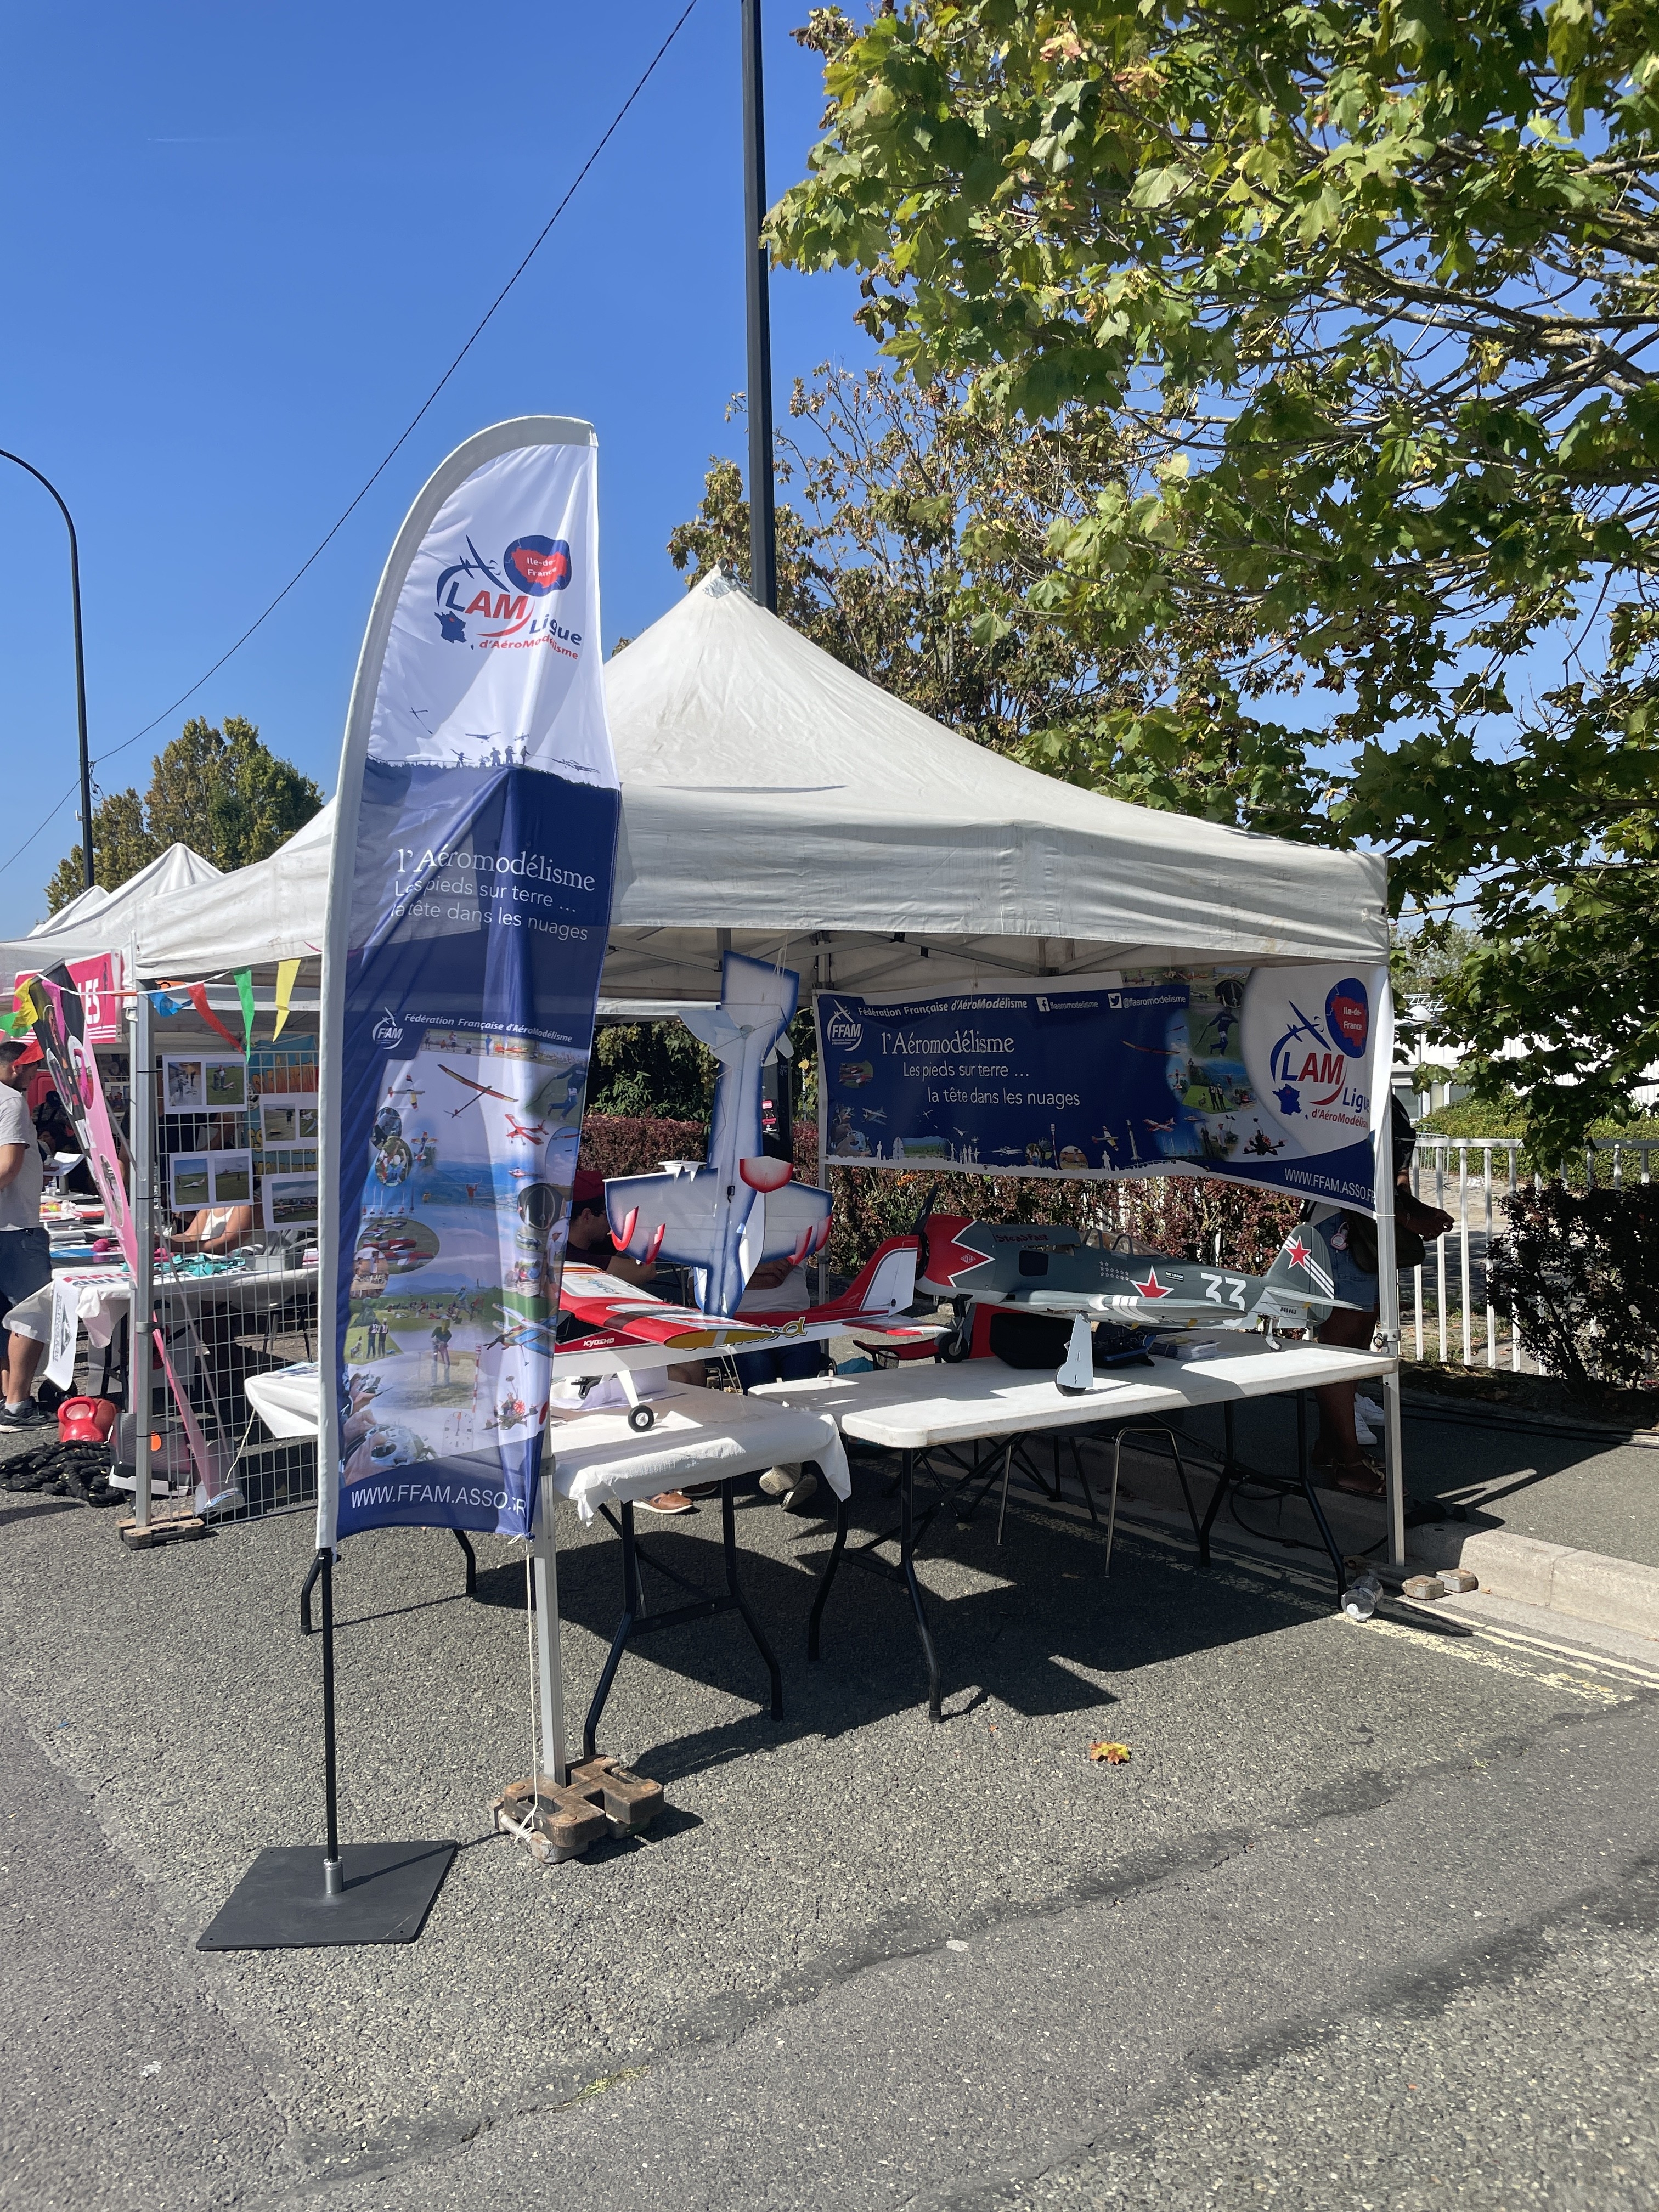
(1264, 1075)
(469, 895)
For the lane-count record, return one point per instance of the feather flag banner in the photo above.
(475, 838)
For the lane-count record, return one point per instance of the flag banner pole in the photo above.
(474, 846)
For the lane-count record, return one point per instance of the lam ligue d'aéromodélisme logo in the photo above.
(505, 593)
(1308, 1062)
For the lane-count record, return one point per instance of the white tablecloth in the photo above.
(103, 1297)
(285, 1398)
(595, 1459)
(701, 1436)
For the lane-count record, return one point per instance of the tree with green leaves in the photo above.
(914, 549)
(1371, 294)
(221, 791)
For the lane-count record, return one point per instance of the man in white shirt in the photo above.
(25, 1249)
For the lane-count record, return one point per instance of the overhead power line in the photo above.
(410, 428)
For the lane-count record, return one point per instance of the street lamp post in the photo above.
(80, 657)
(763, 530)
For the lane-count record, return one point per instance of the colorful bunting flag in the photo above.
(198, 999)
(244, 993)
(285, 972)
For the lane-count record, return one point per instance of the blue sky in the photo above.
(243, 244)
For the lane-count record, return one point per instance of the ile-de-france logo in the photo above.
(843, 1031)
(388, 1030)
(1310, 1060)
(502, 592)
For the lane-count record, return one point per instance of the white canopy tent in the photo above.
(772, 797)
(100, 920)
(776, 803)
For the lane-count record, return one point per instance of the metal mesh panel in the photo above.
(236, 1298)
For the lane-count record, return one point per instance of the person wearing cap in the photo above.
(25, 1249)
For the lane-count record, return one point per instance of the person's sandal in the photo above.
(1358, 1478)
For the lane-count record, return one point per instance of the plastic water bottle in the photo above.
(1360, 1599)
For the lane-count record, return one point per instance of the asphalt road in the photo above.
(1370, 1917)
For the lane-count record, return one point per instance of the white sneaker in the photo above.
(779, 1481)
(1367, 1409)
(803, 1492)
(1364, 1434)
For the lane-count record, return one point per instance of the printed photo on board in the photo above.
(227, 1082)
(233, 1178)
(182, 1087)
(188, 1182)
(290, 1201)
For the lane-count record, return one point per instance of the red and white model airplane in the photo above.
(628, 1333)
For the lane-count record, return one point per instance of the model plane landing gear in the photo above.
(640, 1418)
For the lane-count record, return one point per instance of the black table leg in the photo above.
(471, 1562)
(729, 1537)
(704, 1605)
(842, 1505)
(907, 1560)
(1229, 1468)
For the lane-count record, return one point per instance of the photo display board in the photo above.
(1275, 1076)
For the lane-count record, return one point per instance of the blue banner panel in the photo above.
(461, 1107)
(1260, 1075)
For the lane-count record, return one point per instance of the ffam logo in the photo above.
(1309, 1059)
(843, 1031)
(388, 1030)
(471, 593)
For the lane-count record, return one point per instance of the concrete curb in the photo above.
(1618, 1594)
(1482, 1415)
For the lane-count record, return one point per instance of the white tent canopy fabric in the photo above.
(777, 803)
(99, 920)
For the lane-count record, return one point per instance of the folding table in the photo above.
(602, 1466)
(598, 1463)
(912, 1411)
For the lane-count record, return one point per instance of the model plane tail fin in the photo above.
(1302, 1274)
(886, 1283)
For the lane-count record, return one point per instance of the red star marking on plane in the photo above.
(1297, 1253)
(1152, 1288)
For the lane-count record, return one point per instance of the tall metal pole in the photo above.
(80, 657)
(141, 1312)
(763, 526)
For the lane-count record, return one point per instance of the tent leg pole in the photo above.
(544, 1559)
(823, 1144)
(139, 1310)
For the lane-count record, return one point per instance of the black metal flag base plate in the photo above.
(281, 1904)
